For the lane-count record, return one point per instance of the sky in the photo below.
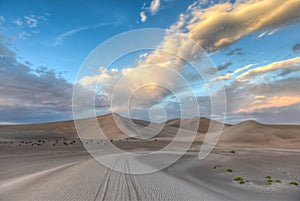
(253, 44)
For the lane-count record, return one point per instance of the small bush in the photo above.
(65, 143)
(269, 183)
(111, 140)
(155, 140)
(232, 152)
(278, 181)
(268, 177)
(294, 183)
(269, 180)
(228, 170)
(238, 178)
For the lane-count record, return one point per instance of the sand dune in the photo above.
(53, 170)
(201, 122)
(245, 134)
(253, 134)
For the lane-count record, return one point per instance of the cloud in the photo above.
(150, 10)
(275, 100)
(60, 39)
(28, 24)
(224, 66)
(296, 47)
(221, 25)
(2, 20)
(231, 75)
(236, 51)
(285, 67)
(33, 95)
(272, 102)
(143, 16)
(217, 27)
(221, 67)
(154, 6)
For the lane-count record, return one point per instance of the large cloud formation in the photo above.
(214, 28)
(33, 95)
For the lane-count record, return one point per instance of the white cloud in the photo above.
(60, 39)
(23, 35)
(222, 24)
(18, 22)
(31, 21)
(285, 67)
(143, 16)
(150, 10)
(154, 6)
(28, 25)
(231, 75)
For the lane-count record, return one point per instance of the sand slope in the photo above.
(253, 134)
(203, 124)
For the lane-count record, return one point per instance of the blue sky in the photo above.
(258, 59)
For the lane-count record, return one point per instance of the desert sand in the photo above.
(49, 162)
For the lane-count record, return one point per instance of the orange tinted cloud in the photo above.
(272, 102)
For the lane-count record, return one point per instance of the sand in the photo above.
(48, 162)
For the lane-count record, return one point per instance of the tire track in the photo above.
(102, 190)
(133, 194)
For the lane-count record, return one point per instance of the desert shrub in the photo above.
(53, 144)
(269, 180)
(111, 140)
(268, 177)
(228, 170)
(294, 183)
(232, 152)
(155, 140)
(269, 183)
(278, 181)
(65, 143)
(239, 179)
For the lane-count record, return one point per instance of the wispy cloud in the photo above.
(152, 9)
(154, 6)
(28, 25)
(60, 39)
